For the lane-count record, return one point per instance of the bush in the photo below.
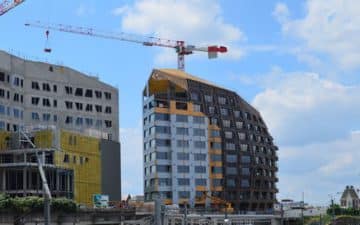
(35, 204)
(340, 211)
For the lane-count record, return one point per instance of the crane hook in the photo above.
(47, 49)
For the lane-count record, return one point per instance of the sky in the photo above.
(297, 62)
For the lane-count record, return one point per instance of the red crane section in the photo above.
(7, 5)
(179, 46)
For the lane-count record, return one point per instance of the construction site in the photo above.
(208, 155)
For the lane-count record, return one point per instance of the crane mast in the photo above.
(7, 5)
(179, 46)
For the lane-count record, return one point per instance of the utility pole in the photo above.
(282, 213)
(302, 209)
(332, 209)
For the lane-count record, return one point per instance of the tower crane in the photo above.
(180, 47)
(7, 5)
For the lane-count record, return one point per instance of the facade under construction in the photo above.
(73, 121)
(204, 145)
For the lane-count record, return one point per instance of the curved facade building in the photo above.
(200, 137)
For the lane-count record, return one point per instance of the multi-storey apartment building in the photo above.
(200, 137)
(73, 120)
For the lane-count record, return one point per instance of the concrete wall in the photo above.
(111, 169)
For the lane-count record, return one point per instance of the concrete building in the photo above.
(198, 138)
(73, 119)
(349, 198)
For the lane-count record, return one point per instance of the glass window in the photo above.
(237, 114)
(231, 158)
(229, 146)
(228, 134)
(239, 124)
(196, 108)
(231, 170)
(163, 155)
(200, 182)
(184, 194)
(198, 119)
(216, 158)
(163, 142)
(2, 109)
(183, 156)
(208, 98)
(199, 157)
(182, 143)
(216, 169)
(181, 118)
(183, 181)
(245, 171)
(217, 182)
(230, 183)
(163, 168)
(78, 92)
(88, 122)
(194, 96)
(242, 136)
(245, 159)
(222, 100)
(162, 129)
(161, 116)
(200, 169)
(199, 132)
(69, 120)
(182, 131)
(215, 133)
(215, 145)
(226, 123)
(224, 112)
(199, 144)
(244, 147)
(79, 121)
(35, 116)
(46, 117)
(183, 169)
(245, 183)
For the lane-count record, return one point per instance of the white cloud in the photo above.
(85, 10)
(197, 22)
(131, 160)
(304, 108)
(329, 27)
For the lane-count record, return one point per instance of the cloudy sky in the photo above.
(297, 62)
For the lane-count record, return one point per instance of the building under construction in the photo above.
(71, 118)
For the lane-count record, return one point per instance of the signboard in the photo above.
(100, 201)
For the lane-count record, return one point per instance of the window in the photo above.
(16, 97)
(199, 132)
(200, 182)
(163, 142)
(89, 108)
(217, 182)
(163, 155)
(199, 144)
(55, 118)
(2, 76)
(216, 158)
(2, 109)
(208, 98)
(164, 182)
(230, 183)
(215, 133)
(211, 109)
(98, 123)
(198, 119)
(182, 143)
(228, 134)
(162, 129)
(98, 94)
(35, 85)
(181, 105)
(35, 116)
(245, 183)
(79, 121)
(88, 122)
(222, 100)
(242, 136)
(229, 146)
(108, 123)
(194, 96)
(224, 111)
(46, 117)
(231, 170)
(200, 169)
(183, 156)
(2, 93)
(216, 169)
(69, 120)
(183, 169)
(226, 123)
(244, 147)
(199, 157)
(183, 181)
(231, 158)
(55, 103)
(46, 87)
(245, 171)
(184, 194)
(196, 108)
(68, 90)
(69, 105)
(182, 131)
(214, 121)
(88, 93)
(162, 117)
(237, 114)
(35, 100)
(66, 158)
(79, 106)
(16, 113)
(78, 92)
(181, 118)
(98, 108)
(46, 102)
(107, 95)
(108, 109)
(245, 159)
(16, 81)
(215, 145)
(54, 88)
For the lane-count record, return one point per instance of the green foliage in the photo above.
(340, 211)
(35, 204)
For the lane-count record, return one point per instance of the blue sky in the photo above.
(297, 62)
